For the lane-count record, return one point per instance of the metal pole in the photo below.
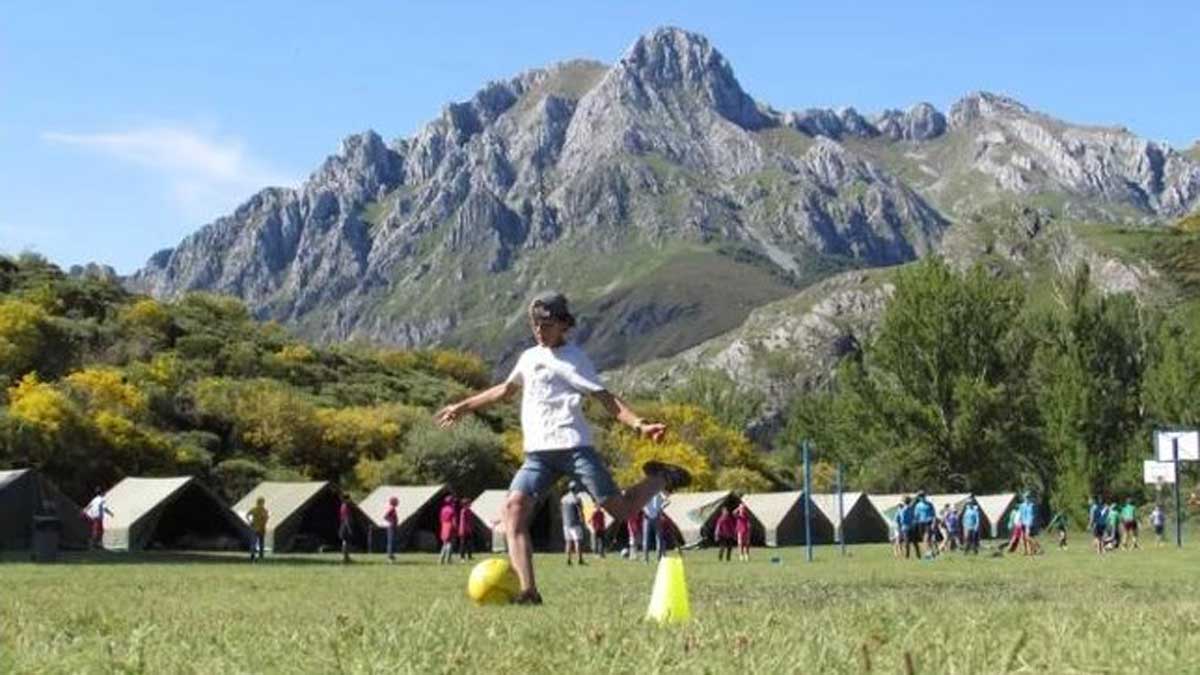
(1178, 508)
(841, 528)
(808, 545)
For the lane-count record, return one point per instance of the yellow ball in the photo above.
(493, 582)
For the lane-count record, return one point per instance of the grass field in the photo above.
(1061, 612)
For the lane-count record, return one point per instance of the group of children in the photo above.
(733, 527)
(917, 523)
(1115, 526)
(456, 529)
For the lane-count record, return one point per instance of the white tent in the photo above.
(862, 522)
(546, 528)
(694, 514)
(417, 514)
(885, 506)
(303, 515)
(172, 513)
(995, 510)
(781, 515)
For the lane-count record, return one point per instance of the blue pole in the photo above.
(841, 528)
(808, 545)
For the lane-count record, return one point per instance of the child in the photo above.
(1158, 519)
(466, 531)
(971, 521)
(448, 529)
(258, 517)
(1130, 524)
(555, 376)
(392, 519)
(95, 512)
(652, 525)
(633, 527)
(725, 534)
(597, 524)
(1096, 523)
(741, 523)
(572, 523)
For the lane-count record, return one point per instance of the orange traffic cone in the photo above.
(669, 600)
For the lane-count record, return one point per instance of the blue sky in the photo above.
(125, 126)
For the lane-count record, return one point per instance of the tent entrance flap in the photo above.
(189, 522)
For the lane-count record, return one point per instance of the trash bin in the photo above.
(46, 530)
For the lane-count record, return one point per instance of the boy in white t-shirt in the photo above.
(555, 376)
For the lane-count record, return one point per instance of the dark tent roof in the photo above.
(25, 493)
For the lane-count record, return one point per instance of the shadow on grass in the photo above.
(215, 557)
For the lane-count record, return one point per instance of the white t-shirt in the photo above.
(553, 384)
(96, 508)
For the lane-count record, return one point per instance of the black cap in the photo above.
(551, 305)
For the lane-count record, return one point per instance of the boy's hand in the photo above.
(653, 430)
(446, 417)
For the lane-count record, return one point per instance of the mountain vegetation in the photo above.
(99, 384)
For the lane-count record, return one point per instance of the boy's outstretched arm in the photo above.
(453, 412)
(625, 415)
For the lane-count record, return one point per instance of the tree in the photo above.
(1088, 373)
(939, 398)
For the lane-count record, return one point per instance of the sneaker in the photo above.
(674, 476)
(529, 597)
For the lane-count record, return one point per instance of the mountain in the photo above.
(654, 191)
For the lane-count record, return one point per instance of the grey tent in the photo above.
(782, 518)
(25, 493)
(417, 515)
(546, 527)
(995, 510)
(861, 523)
(304, 516)
(171, 513)
(694, 514)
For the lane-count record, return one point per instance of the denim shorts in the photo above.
(542, 467)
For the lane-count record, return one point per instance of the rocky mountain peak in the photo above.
(672, 58)
(982, 104)
(920, 123)
(363, 167)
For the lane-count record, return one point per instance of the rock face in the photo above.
(619, 183)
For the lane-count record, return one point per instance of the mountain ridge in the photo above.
(596, 178)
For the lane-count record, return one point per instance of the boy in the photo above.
(971, 521)
(554, 377)
(1130, 524)
(1096, 523)
(1158, 520)
(95, 512)
(572, 522)
(258, 517)
(597, 524)
(393, 520)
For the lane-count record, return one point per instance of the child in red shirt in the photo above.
(392, 519)
(725, 534)
(597, 523)
(448, 517)
(741, 516)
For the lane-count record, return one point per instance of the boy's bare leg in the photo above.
(518, 509)
(621, 506)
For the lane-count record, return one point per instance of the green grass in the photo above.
(1062, 612)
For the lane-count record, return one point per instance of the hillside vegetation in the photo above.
(100, 384)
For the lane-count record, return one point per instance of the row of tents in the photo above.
(183, 514)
